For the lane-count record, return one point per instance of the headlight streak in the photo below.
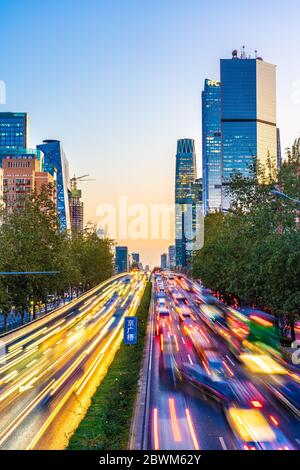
(34, 375)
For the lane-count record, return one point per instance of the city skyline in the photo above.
(118, 136)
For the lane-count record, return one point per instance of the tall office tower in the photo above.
(211, 146)
(278, 149)
(121, 259)
(164, 261)
(21, 176)
(185, 178)
(76, 208)
(54, 161)
(248, 116)
(13, 130)
(172, 257)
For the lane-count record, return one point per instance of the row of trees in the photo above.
(30, 240)
(253, 251)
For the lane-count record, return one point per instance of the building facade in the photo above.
(22, 176)
(248, 116)
(211, 146)
(171, 257)
(188, 197)
(13, 130)
(54, 161)
(76, 208)
(164, 261)
(135, 257)
(121, 259)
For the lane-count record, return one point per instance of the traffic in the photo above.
(219, 380)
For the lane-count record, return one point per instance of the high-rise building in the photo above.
(187, 199)
(22, 176)
(164, 261)
(54, 161)
(248, 116)
(171, 257)
(211, 146)
(76, 208)
(13, 130)
(121, 260)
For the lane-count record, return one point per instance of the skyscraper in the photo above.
(13, 130)
(278, 149)
(248, 115)
(211, 145)
(121, 259)
(187, 198)
(171, 257)
(54, 161)
(164, 261)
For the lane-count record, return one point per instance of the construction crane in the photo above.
(76, 205)
(77, 178)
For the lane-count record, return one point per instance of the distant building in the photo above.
(121, 259)
(171, 257)
(76, 208)
(211, 145)
(13, 130)
(248, 116)
(164, 261)
(54, 161)
(22, 176)
(135, 257)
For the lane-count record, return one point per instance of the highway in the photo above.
(201, 395)
(49, 369)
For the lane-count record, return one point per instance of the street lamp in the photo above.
(285, 196)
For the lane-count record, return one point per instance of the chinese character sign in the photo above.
(130, 330)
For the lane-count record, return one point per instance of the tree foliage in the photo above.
(30, 240)
(253, 251)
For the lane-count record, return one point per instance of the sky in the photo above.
(119, 81)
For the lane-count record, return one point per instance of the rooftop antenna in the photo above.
(243, 55)
(255, 54)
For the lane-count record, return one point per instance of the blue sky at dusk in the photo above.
(119, 81)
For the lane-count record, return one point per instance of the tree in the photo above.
(253, 252)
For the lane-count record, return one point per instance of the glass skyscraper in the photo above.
(188, 194)
(13, 130)
(54, 161)
(248, 116)
(211, 145)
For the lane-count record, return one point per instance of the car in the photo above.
(196, 376)
(254, 432)
(214, 365)
(163, 320)
(287, 393)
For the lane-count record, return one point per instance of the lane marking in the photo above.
(174, 420)
(221, 439)
(191, 429)
(155, 429)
